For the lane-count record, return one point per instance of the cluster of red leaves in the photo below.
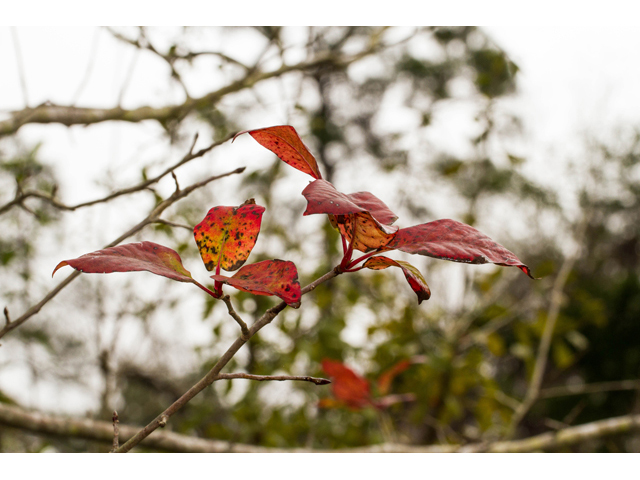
(225, 239)
(365, 223)
(351, 390)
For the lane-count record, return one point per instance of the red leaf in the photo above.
(451, 240)
(347, 386)
(132, 257)
(360, 215)
(227, 235)
(385, 379)
(270, 277)
(322, 197)
(412, 274)
(284, 141)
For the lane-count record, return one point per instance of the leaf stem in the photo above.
(213, 294)
(360, 259)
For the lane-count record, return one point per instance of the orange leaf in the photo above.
(284, 141)
(347, 385)
(385, 379)
(227, 235)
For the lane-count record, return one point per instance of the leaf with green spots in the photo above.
(284, 141)
(269, 277)
(412, 274)
(227, 235)
(132, 257)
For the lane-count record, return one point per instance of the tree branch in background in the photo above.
(153, 217)
(278, 378)
(69, 115)
(22, 196)
(545, 342)
(39, 423)
(214, 373)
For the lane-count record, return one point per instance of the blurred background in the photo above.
(531, 135)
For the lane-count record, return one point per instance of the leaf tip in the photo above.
(60, 265)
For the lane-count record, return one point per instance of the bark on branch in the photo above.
(57, 425)
(71, 115)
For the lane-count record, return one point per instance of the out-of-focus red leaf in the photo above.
(228, 234)
(284, 141)
(361, 217)
(451, 240)
(270, 277)
(132, 257)
(411, 273)
(385, 379)
(347, 386)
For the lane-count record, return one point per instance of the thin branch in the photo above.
(243, 326)
(153, 216)
(87, 74)
(23, 78)
(22, 196)
(68, 115)
(47, 424)
(557, 294)
(174, 224)
(213, 374)
(567, 390)
(116, 431)
(278, 378)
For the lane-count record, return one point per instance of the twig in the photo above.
(153, 217)
(213, 374)
(278, 378)
(567, 390)
(68, 115)
(243, 326)
(7, 318)
(547, 335)
(22, 196)
(18, 52)
(116, 431)
(87, 74)
(174, 224)
(47, 424)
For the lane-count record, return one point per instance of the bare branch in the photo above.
(69, 115)
(116, 431)
(22, 196)
(18, 52)
(567, 390)
(17, 417)
(210, 377)
(243, 326)
(547, 335)
(278, 378)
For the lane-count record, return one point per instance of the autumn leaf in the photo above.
(385, 379)
(284, 141)
(362, 218)
(227, 235)
(270, 277)
(347, 386)
(412, 274)
(132, 257)
(451, 240)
